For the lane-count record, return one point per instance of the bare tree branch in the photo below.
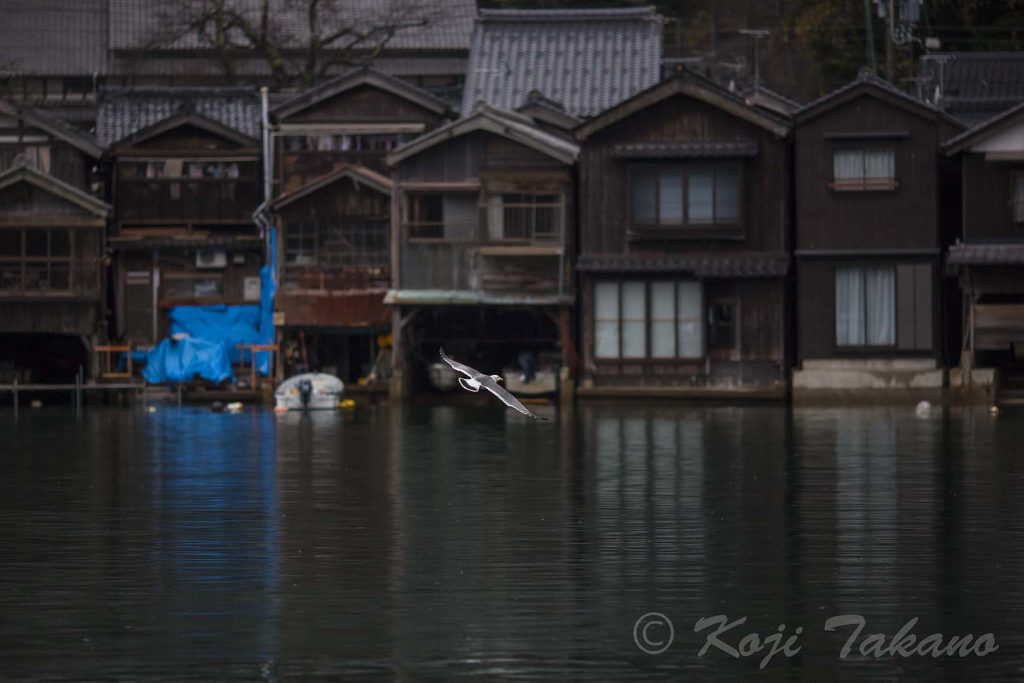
(300, 41)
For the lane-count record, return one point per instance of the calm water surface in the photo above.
(432, 543)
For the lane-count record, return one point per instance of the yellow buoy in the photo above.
(347, 404)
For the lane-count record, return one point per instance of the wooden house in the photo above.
(989, 256)
(684, 244)
(52, 240)
(869, 194)
(481, 259)
(186, 181)
(332, 208)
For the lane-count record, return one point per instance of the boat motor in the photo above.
(305, 392)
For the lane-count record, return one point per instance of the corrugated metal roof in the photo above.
(701, 265)
(134, 23)
(54, 37)
(685, 150)
(120, 113)
(986, 254)
(588, 60)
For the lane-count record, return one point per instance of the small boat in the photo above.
(309, 391)
(544, 382)
(442, 377)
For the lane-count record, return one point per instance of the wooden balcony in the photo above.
(56, 278)
(187, 200)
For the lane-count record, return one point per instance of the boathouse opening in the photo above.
(38, 358)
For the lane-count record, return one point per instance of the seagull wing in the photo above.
(459, 367)
(507, 398)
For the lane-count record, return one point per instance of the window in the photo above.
(863, 167)
(657, 320)
(379, 143)
(426, 216)
(524, 216)
(692, 194)
(35, 259)
(866, 306)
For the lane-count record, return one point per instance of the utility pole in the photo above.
(870, 34)
(757, 34)
(890, 51)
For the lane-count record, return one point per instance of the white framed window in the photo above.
(660, 319)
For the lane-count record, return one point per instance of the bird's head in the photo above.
(497, 378)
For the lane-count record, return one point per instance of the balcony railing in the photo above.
(182, 199)
(518, 231)
(28, 278)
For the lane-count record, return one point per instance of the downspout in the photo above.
(260, 215)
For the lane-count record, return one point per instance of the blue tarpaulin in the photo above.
(181, 360)
(209, 335)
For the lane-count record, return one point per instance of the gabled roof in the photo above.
(871, 85)
(353, 79)
(27, 174)
(511, 125)
(588, 59)
(541, 108)
(692, 85)
(360, 174)
(997, 123)
(189, 119)
(134, 23)
(52, 125)
(123, 112)
(972, 86)
(55, 37)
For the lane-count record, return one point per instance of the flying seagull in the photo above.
(477, 379)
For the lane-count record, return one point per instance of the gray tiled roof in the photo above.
(54, 37)
(986, 254)
(120, 113)
(701, 265)
(134, 23)
(973, 86)
(588, 60)
(684, 150)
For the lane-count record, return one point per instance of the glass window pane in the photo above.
(10, 242)
(644, 196)
(690, 322)
(663, 319)
(634, 316)
(880, 305)
(606, 324)
(60, 243)
(850, 307)
(727, 194)
(879, 164)
(606, 339)
(35, 243)
(670, 188)
(848, 164)
(700, 202)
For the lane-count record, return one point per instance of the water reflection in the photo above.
(417, 542)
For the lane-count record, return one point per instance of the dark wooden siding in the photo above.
(988, 193)
(604, 180)
(903, 218)
(366, 103)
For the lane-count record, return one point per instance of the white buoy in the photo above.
(924, 409)
(151, 409)
(994, 410)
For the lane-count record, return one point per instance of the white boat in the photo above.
(442, 377)
(309, 391)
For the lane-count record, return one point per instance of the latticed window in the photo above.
(693, 194)
(661, 319)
